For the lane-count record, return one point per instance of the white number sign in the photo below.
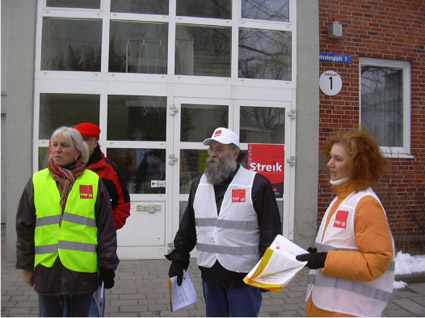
(330, 83)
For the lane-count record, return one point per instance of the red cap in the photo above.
(88, 130)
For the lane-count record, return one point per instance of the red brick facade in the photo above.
(383, 29)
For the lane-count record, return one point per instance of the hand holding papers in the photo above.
(277, 267)
(181, 296)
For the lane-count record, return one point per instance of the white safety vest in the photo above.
(340, 295)
(233, 237)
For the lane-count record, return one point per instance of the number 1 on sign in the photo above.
(330, 83)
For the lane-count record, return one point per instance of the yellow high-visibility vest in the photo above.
(75, 239)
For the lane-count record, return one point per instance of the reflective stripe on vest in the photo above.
(340, 295)
(349, 285)
(232, 238)
(75, 240)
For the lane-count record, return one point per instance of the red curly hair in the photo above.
(365, 160)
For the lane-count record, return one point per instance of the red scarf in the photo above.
(65, 178)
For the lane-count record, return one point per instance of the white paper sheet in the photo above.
(184, 295)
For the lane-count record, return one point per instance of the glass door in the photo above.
(136, 139)
(256, 122)
(196, 120)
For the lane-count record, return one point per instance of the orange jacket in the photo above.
(374, 239)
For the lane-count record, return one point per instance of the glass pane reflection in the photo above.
(262, 125)
(182, 209)
(87, 4)
(199, 121)
(136, 47)
(265, 54)
(71, 44)
(382, 104)
(203, 51)
(143, 170)
(221, 9)
(270, 10)
(137, 117)
(192, 164)
(140, 6)
(66, 110)
(43, 153)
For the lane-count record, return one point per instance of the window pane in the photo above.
(382, 104)
(199, 121)
(43, 153)
(262, 125)
(271, 10)
(138, 47)
(140, 6)
(88, 4)
(203, 51)
(182, 208)
(66, 110)
(192, 164)
(143, 170)
(71, 44)
(137, 118)
(221, 9)
(265, 54)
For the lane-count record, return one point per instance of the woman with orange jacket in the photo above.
(352, 263)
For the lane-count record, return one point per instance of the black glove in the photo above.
(107, 276)
(312, 250)
(314, 260)
(176, 269)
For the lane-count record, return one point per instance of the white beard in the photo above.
(217, 171)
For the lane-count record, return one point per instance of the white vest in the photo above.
(340, 295)
(233, 237)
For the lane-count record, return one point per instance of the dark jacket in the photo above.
(57, 280)
(268, 220)
(111, 177)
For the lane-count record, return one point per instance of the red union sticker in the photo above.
(86, 192)
(217, 133)
(341, 219)
(238, 195)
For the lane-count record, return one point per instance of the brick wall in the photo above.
(385, 29)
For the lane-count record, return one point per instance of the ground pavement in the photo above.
(141, 290)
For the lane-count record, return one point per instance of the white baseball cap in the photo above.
(224, 136)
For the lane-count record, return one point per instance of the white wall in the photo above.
(19, 79)
(307, 155)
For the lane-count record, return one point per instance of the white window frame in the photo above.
(394, 152)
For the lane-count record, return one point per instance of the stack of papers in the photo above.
(277, 267)
(183, 295)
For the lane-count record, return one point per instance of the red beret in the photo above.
(88, 130)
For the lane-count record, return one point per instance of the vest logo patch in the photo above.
(86, 192)
(238, 195)
(341, 219)
(217, 133)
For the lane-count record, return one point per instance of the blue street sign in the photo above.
(335, 58)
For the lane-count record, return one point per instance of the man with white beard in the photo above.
(231, 218)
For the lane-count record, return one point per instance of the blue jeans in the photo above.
(64, 306)
(232, 302)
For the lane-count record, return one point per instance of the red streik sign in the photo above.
(341, 219)
(268, 161)
(86, 192)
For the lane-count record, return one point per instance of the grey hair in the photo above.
(73, 137)
(235, 148)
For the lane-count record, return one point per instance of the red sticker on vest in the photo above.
(238, 195)
(86, 192)
(341, 219)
